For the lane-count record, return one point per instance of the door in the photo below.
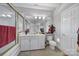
(66, 30)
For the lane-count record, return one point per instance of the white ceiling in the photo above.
(41, 6)
(40, 9)
(36, 9)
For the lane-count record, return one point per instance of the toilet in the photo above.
(52, 43)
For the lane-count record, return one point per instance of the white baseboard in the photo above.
(69, 52)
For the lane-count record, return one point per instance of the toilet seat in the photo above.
(52, 43)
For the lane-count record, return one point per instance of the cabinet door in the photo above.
(25, 45)
(41, 42)
(34, 43)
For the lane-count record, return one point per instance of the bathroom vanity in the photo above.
(32, 41)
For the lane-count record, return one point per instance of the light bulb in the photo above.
(43, 17)
(39, 17)
(35, 17)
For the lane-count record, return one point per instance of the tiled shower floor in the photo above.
(43, 52)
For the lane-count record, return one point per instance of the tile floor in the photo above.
(43, 52)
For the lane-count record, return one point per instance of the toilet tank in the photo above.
(50, 37)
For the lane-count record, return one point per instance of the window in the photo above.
(7, 28)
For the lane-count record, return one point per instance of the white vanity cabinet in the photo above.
(32, 42)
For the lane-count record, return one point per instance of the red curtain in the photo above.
(7, 35)
(3, 35)
(11, 34)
